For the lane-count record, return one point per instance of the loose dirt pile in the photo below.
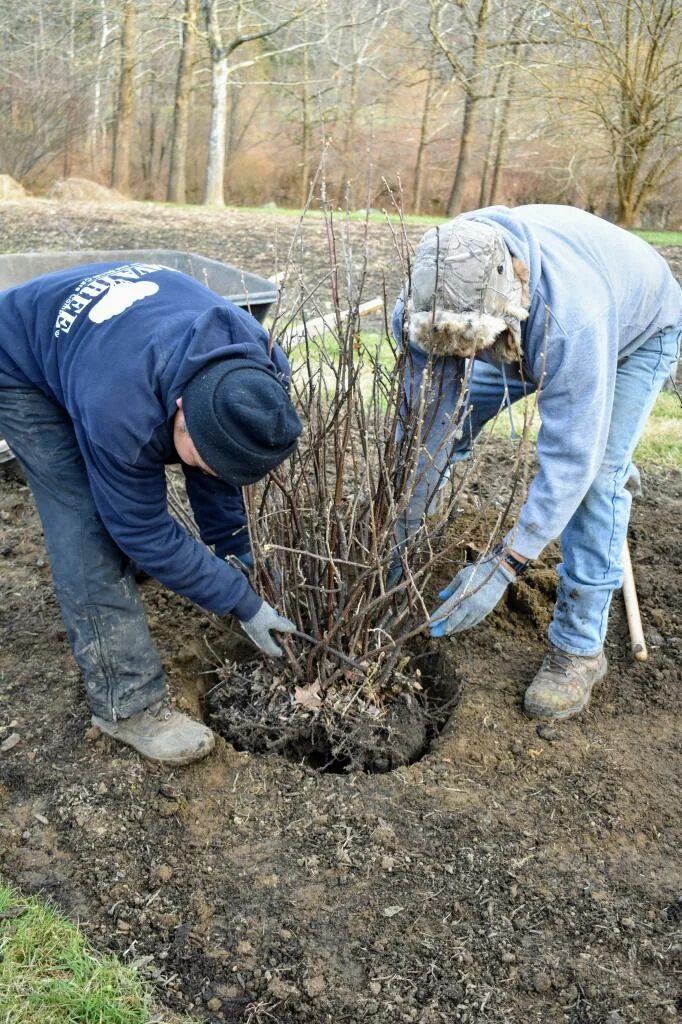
(515, 874)
(10, 189)
(82, 190)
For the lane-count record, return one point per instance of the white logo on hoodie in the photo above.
(119, 298)
(107, 295)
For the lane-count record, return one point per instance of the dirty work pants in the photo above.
(592, 541)
(102, 612)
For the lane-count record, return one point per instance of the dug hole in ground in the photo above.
(510, 874)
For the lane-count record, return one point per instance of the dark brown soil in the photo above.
(515, 874)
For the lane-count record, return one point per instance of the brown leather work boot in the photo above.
(161, 734)
(563, 684)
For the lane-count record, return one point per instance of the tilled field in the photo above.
(514, 874)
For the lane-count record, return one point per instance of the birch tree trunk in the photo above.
(177, 175)
(215, 157)
(96, 126)
(120, 171)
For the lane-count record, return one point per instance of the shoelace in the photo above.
(560, 660)
(160, 710)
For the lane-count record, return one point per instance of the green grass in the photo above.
(49, 974)
(296, 212)
(661, 237)
(661, 442)
(375, 346)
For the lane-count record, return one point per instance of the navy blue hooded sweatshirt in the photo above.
(115, 344)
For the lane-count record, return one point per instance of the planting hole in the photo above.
(257, 711)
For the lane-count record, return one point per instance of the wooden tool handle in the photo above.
(632, 608)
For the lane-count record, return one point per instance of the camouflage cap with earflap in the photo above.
(467, 292)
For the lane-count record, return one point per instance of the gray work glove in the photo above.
(473, 593)
(259, 627)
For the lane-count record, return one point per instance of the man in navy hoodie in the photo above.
(108, 373)
(553, 300)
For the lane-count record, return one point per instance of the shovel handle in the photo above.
(637, 641)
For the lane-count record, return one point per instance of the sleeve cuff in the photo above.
(247, 607)
(526, 542)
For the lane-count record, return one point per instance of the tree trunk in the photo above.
(464, 156)
(215, 157)
(177, 175)
(97, 131)
(306, 129)
(488, 159)
(471, 99)
(120, 172)
(423, 138)
(502, 133)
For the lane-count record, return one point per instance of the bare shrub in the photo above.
(349, 691)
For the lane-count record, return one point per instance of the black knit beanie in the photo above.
(240, 418)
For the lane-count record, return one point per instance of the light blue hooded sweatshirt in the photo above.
(597, 293)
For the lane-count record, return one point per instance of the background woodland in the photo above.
(451, 104)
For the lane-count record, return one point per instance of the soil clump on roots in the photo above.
(253, 711)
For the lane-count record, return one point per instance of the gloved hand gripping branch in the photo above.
(259, 627)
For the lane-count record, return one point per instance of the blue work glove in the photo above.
(259, 627)
(473, 593)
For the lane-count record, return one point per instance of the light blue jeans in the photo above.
(592, 541)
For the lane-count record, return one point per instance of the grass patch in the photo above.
(661, 237)
(661, 442)
(326, 347)
(50, 973)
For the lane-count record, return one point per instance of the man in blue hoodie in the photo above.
(109, 373)
(554, 300)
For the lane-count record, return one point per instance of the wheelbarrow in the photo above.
(256, 294)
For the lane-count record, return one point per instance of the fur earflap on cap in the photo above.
(467, 293)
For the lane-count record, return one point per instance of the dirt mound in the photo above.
(11, 189)
(83, 190)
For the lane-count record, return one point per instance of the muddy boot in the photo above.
(563, 685)
(161, 734)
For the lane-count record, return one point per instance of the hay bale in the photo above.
(11, 189)
(75, 190)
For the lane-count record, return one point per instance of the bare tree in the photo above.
(123, 124)
(480, 40)
(102, 72)
(436, 92)
(177, 177)
(220, 51)
(357, 45)
(464, 45)
(43, 86)
(622, 75)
